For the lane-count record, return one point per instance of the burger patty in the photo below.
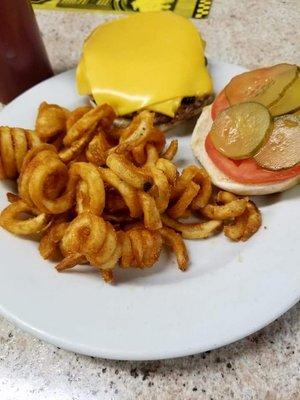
(189, 107)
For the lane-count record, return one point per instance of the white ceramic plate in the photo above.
(229, 291)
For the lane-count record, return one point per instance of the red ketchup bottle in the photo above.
(23, 58)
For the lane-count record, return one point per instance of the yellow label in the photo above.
(187, 8)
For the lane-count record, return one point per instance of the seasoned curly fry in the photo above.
(38, 178)
(105, 196)
(51, 121)
(171, 151)
(174, 240)
(180, 207)
(89, 122)
(201, 230)
(90, 238)
(151, 155)
(128, 172)
(169, 169)
(128, 193)
(151, 214)
(49, 244)
(97, 149)
(14, 144)
(75, 150)
(245, 225)
(233, 209)
(198, 176)
(11, 219)
(140, 248)
(161, 191)
(91, 193)
(136, 134)
(75, 115)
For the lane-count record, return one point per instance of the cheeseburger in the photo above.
(152, 61)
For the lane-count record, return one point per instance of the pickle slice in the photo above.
(239, 131)
(282, 150)
(289, 101)
(264, 85)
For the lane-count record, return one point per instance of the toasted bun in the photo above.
(219, 179)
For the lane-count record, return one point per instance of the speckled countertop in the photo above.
(263, 366)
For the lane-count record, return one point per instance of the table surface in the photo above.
(263, 366)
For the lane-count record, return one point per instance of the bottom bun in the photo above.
(218, 178)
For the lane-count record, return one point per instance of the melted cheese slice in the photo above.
(146, 60)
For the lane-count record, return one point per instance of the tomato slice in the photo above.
(220, 104)
(247, 171)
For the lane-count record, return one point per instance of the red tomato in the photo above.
(247, 171)
(220, 104)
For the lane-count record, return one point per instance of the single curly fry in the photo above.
(169, 169)
(76, 149)
(97, 149)
(152, 155)
(171, 151)
(75, 115)
(245, 225)
(128, 172)
(152, 219)
(174, 240)
(14, 145)
(161, 190)
(89, 238)
(90, 187)
(12, 219)
(51, 121)
(137, 133)
(42, 178)
(89, 122)
(48, 184)
(128, 193)
(230, 210)
(201, 230)
(141, 247)
(49, 244)
(108, 249)
(198, 176)
(180, 207)
(35, 179)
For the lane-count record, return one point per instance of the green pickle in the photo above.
(240, 130)
(289, 101)
(282, 150)
(264, 85)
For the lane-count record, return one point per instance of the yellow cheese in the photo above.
(147, 60)
(168, 107)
